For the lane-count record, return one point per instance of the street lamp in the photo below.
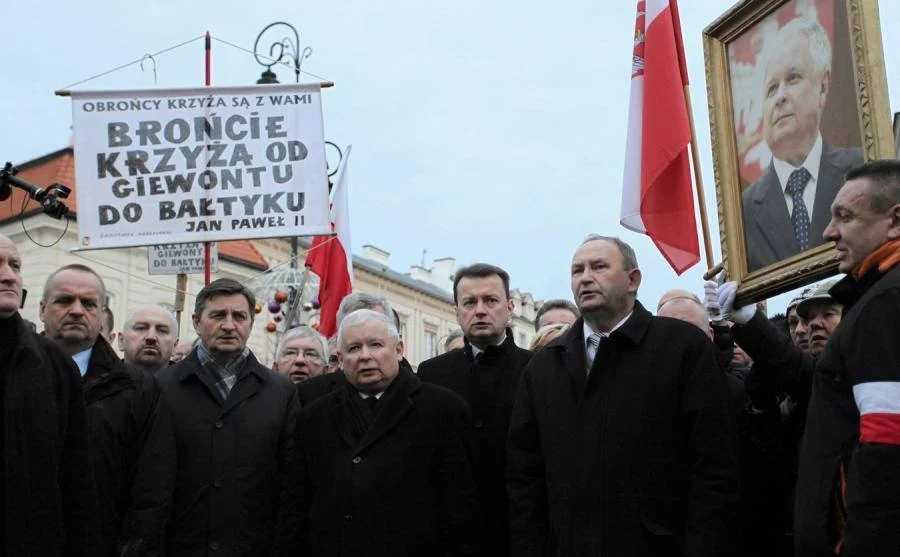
(286, 52)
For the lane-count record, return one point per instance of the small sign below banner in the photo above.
(174, 259)
(199, 165)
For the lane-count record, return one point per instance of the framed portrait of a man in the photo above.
(797, 97)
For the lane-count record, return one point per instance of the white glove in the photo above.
(727, 311)
(711, 301)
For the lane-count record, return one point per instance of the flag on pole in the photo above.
(330, 257)
(657, 193)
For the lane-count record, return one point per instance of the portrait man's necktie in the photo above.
(799, 216)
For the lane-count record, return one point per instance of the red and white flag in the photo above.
(657, 194)
(330, 256)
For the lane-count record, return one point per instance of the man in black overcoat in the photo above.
(234, 426)
(129, 427)
(486, 374)
(383, 462)
(622, 439)
(47, 504)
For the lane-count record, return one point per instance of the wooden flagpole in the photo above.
(698, 180)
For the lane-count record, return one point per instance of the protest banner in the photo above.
(174, 259)
(199, 165)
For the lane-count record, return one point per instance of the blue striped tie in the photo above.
(799, 216)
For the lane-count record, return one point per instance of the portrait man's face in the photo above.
(794, 94)
(72, 310)
(224, 324)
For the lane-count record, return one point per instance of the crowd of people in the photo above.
(706, 429)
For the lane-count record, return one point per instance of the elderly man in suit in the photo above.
(384, 460)
(785, 211)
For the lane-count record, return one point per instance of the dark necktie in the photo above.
(799, 216)
(372, 401)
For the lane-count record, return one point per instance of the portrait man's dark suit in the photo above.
(768, 231)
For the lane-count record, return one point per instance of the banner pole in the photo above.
(207, 247)
(698, 180)
(180, 290)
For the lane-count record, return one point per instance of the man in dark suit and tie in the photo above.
(785, 211)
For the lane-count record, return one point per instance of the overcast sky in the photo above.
(482, 130)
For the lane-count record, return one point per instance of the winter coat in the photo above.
(48, 485)
(852, 437)
(402, 487)
(235, 487)
(638, 458)
(132, 451)
(489, 386)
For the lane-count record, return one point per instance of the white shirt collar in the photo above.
(588, 331)
(365, 396)
(813, 159)
(82, 359)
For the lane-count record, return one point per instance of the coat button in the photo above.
(217, 483)
(479, 423)
(357, 459)
(213, 546)
(220, 424)
(348, 519)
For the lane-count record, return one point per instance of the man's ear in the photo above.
(121, 344)
(894, 230)
(824, 87)
(634, 280)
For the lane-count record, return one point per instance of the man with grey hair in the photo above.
(302, 354)
(622, 441)
(130, 439)
(148, 338)
(383, 462)
(317, 387)
(786, 211)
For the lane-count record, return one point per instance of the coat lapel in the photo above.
(246, 386)
(772, 217)
(830, 180)
(570, 350)
(396, 405)
(342, 416)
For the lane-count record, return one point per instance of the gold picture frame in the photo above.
(741, 88)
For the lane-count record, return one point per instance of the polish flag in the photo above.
(330, 257)
(657, 193)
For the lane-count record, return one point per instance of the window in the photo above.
(430, 345)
